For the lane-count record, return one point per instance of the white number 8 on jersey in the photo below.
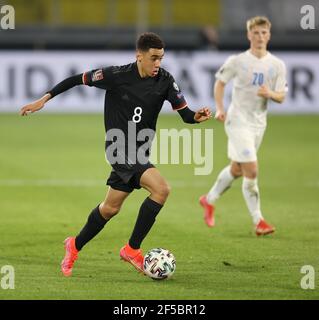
(137, 116)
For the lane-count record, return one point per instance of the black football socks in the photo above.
(94, 225)
(145, 220)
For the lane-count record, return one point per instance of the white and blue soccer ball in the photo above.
(159, 264)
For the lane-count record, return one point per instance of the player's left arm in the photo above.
(278, 92)
(277, 96)
(179, 104)
(189, 116)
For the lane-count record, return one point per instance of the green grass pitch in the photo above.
(53, 172)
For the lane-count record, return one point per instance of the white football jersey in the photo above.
(249, 73)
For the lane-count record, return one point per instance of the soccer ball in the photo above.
(159, 264)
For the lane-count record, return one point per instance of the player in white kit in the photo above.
(257, 77)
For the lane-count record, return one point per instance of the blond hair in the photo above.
(257, 21)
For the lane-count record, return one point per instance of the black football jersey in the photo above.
(129, 97)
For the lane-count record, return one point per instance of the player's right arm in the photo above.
(225, 73)
(95, 78)
(219, 90)
(59, 88)
(35, 106)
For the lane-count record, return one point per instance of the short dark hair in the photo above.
(149, 40)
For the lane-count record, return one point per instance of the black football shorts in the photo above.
(125, 177)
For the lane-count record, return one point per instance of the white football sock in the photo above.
(223, 182)
(251, 196)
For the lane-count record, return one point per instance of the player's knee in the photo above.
(163, 191)
(236, 172)
(108, 211)
(254, 174)
(251, 174)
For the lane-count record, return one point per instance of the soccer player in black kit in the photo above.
(134, 97)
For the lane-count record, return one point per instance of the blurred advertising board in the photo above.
(27, 75)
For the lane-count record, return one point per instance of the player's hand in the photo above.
(264, 92)
(202, 114)
(32, 107)
(220, 115)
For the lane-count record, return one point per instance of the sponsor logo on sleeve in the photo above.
(175, 86)
(97, 75)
